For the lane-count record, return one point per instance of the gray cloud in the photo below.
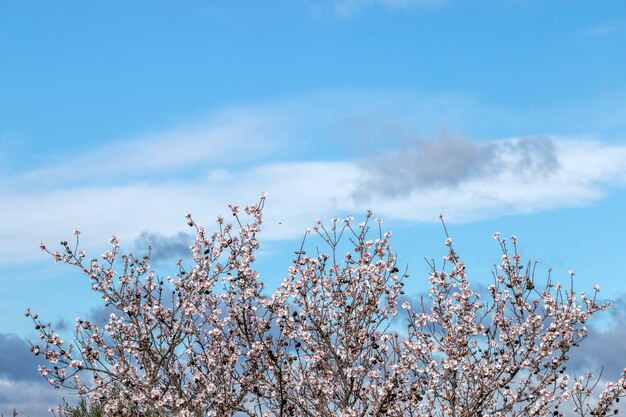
(61, 325)
(450, 160)
(605, 346)
(21, 385)
(30, 399)
(164, 247)
(534, 154)
(17, 363)
(603, 350)
(100, 314)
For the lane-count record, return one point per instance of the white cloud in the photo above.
(582, 172)
(299, 191)
(147, 184)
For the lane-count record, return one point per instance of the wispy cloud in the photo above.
(141, 187)
(233, 136)
(602, 30)
(347, 7)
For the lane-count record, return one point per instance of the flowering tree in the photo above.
(209, 342)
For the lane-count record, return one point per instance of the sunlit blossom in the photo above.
(329, 341)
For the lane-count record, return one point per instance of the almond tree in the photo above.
(209, 341)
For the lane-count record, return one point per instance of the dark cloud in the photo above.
(61, 325)
(603, 350)
(450, 159)
(422, 302)
(100, 315)
(605, 347)
(17, 363)
(30, 399)
(164, 248)
(532, 154)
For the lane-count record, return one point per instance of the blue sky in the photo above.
(118, 118)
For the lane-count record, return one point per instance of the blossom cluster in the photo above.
(209, 341)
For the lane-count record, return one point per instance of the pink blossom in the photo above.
(331, 340)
